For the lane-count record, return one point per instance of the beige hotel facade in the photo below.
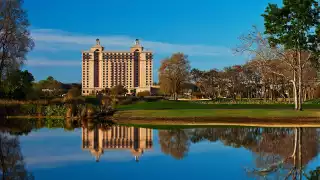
(105, 69)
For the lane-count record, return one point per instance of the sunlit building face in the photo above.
(105, 69)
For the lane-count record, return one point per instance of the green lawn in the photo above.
(216, 113)
(167, 105)
(172, 127)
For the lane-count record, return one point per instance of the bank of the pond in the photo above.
(217, 113)
(173, 123)
(35, 117)
(164, 104)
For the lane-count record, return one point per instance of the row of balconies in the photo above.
(124, 60)
(123, 53)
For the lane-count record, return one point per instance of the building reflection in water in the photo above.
(97, 140)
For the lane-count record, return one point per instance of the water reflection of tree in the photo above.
(17, 126)
(235, 137)
(279, 152)
(174, 142)
(313, 174)
(11, 159)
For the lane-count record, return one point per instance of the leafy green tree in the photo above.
(50, 78)
(34, 93)
(50, 87)
(18, 84)
(50, 83)
(296, 27)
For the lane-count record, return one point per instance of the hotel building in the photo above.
(97, 141)
(105, 69)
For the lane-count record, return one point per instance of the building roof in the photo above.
(136, 45)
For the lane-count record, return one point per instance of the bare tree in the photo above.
(11, 159)
(173, 73)
(207, 81)
(15, 40)
(275, 60)
(174, 142)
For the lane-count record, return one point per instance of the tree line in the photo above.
(250, 80)
(21, 85)
(284, 60)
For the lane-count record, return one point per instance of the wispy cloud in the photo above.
(45, 62)
(52, 161)
(48, 133)
(57, 40)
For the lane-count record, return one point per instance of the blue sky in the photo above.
(206, 30)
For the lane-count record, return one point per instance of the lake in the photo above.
(52, 149)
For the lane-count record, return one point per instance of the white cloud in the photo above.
(57, 40)
(51, 161)
(45, 62)
(61, 133)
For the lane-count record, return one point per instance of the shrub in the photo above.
(122, 98)
(29, 109)
(77, 100)
(92, 100)
(55, 110)
(9, 109)
(143, 93)
(197, 94)
(91, 110)
(54, 123)
(313, 101)
(106, 101)
(8, 101)
(73, 93)
(126, 101)
(152, 98)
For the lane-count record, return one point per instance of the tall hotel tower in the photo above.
(104, 69)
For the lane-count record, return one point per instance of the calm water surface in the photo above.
(41, 151)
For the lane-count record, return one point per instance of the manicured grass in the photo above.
(173, 127)
(167, 105)
(216, 113)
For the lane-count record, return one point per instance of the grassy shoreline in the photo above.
(170, 105)
(35, 117)
(218, 113)
(177, 110)
(160, 124)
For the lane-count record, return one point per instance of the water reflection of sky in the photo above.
(57, 154)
